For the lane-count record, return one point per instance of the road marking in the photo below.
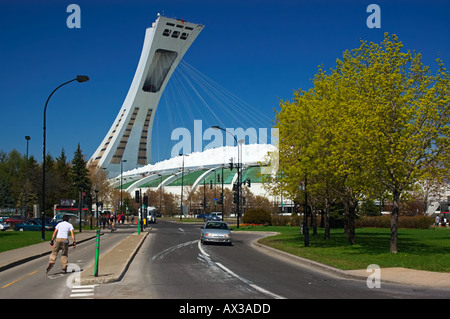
(23, 277)
(162, 254)
(256, 287)
(82, 291)
(264, 291)
(201, 249)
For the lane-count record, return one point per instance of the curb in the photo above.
(361, 274)
(120, 258)
(302, 260)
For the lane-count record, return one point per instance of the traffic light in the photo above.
(145, 200)
(221, 198)
(137, 197)
(235, 197)
(249, 183)
(235, 187)
(231, 164)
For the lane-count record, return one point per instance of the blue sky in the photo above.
(260, 51)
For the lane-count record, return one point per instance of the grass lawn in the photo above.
(15, 239)
(422, 249)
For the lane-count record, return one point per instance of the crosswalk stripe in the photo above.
(82, 291)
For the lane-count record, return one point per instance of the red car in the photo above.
(12, 220)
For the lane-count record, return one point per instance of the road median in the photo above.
(113, 265)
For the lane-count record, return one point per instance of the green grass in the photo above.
(16, 239)
(422, 249)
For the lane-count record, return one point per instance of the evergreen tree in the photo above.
(79, 176)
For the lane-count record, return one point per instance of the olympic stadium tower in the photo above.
(127, 145)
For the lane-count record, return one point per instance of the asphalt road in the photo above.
(173, 264)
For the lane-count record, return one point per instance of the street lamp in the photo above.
(216, 127)
(80, 79)
(121, 173)
(27, 138)
(160, 194)
(182, 182)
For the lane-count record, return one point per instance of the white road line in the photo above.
(201, 249)
(82, 291)
(162, 254)
(260, 289)
(81, 295)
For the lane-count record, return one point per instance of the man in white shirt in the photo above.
(62, 243)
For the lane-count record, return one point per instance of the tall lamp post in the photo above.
(160, 192)
(27, 138)
(182, 182)
(238, 211)
(80, 79)
(121, 173)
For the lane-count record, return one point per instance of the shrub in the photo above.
(257, 216)
(419, 222)
(293, 220)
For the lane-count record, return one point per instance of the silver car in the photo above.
(215, 232)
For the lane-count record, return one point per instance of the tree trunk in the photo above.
(351, 223)
(326, 219)
(394, 222)
(313, 220)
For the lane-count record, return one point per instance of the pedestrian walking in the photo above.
(112, 220)
(104, 220)
(61, 243)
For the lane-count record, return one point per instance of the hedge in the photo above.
(419, 222)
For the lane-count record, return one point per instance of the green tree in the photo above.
(79, 175)
(377, 122)
(408, 119)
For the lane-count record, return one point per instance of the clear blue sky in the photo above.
(261, 51)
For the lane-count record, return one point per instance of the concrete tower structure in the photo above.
(128, 142)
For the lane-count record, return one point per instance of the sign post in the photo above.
(97, 248)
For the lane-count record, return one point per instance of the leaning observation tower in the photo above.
(127, 145)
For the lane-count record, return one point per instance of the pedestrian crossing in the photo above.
(85, 291)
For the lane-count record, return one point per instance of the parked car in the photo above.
(13, 220)
(50, 224)
(74, 219)
(212, 216)
(27, 225)
(4, 226)
(216, 232)
(33, 224)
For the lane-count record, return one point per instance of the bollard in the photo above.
(97, 248)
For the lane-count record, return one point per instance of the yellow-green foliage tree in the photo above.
(377, 122)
